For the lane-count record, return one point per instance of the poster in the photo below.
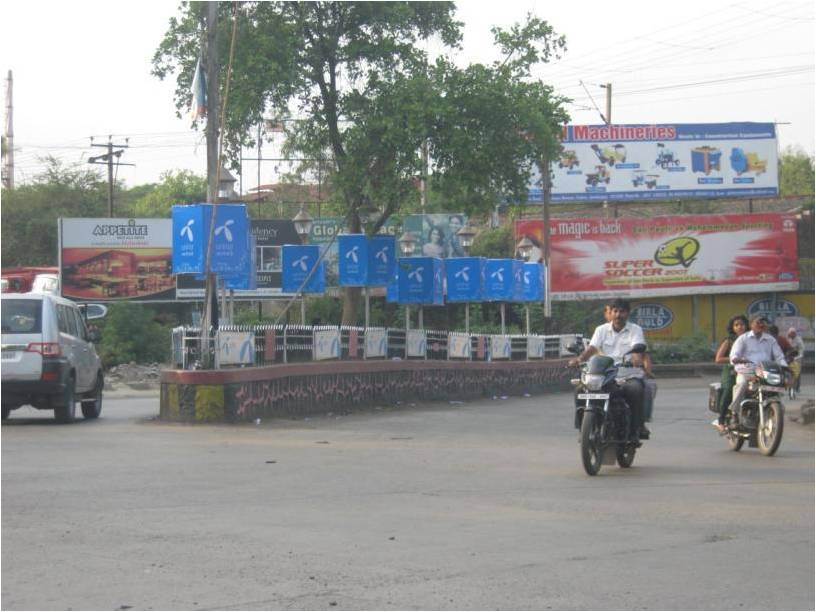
(376, 343)
(326, 344)
(116, 259)
(437, 234)
(236, 348)
(325, 229)
(672, 255)
(663, 161)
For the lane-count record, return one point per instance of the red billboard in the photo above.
(682, 255)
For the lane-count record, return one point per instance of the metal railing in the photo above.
(261, 345)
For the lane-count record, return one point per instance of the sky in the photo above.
(82, 70)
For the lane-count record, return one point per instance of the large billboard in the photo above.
(437, 234)
(106, 260)
(672, 255)
(663, 161)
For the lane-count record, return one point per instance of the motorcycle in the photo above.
(602, 415)
(762, 413)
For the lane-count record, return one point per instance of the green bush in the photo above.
(131, 333)
(694, 348)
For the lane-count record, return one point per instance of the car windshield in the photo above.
(22, 316)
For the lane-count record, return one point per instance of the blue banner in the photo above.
(297, 262)
(353, 259)
(247, 279)
(464, 278)
(190, 231)
(382, 260)
(533, 282)
(518, 281)
(499, 280)
(230, 250)
(420, 280)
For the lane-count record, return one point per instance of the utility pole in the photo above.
(107, 159)
(608, 88)
(8, 166)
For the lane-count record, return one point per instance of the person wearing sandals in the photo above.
(737, 325)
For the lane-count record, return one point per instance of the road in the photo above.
(481, 505)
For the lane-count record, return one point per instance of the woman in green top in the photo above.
(737, 325)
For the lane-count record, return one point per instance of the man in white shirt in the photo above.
(615, 339)
(751, 348)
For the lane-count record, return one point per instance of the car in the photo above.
(48, 357)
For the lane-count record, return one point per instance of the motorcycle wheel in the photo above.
(626, 455)
(591, 454)
(735, 441)
(769, 434)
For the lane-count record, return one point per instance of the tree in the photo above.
(369, 99)
(796, 172)
(176, 187)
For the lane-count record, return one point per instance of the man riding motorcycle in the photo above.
(750, 349)
(615, 339)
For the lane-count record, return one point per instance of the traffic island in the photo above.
(298, 390)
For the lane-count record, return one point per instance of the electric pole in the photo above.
(8, 153)
(608, 88)
(107, 159)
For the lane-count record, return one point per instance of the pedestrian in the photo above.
(798, 345)
(737, 325)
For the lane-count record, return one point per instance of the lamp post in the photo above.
(466, 237)
(303, 226)
(407, 243)
(525, 249)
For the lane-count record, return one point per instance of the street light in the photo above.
(466, 235)
(303, 224)
(407, 243)
(525, 248)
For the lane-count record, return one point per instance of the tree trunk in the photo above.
(351, 305)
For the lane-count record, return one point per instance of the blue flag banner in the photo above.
(352, 260)
(247, 279)
(499, 280)
(382, 260)
(533, 282)
(464, 278)
(191, 230)
(392, 289)
(297, 262)
(420, 280)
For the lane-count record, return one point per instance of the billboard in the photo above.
(663, 161)
(325, 229)
(420, 280)
(270, 235)
(116, 259)
(436, 234)
(672, 255)
(464, 279)
(382, 260)
(500, 279)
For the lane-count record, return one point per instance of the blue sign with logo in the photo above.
(420, 280)
(464, 278)
(191, 231)
(652, 317)
(533, 282)
(499, 280)
(297, 262)
(382, 260)
(352, 260)
(392, 290)
(247, 279)
(765, 307)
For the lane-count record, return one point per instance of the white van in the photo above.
(48, 357)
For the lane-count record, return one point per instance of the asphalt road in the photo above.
(482, 505)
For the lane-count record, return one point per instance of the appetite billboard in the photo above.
(672, 255)
(663, 161)
(109, 260)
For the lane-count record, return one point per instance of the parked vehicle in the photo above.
(48, 357)
(762, 417)
(603, 416)
(23, 279)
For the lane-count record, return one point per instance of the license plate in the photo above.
(592, 396)
(773, 389)
(10, 355)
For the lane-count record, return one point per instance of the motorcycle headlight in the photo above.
(594, 382)
(773, 378)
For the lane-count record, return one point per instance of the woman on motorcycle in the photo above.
(737, 325)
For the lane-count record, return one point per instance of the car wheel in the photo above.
(65, 412)
(6, 412)
(92, 408)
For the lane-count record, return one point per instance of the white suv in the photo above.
(48, 359)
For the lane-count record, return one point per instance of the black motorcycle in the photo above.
(762, 413)
(603, 416)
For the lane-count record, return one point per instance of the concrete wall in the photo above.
(296, 390)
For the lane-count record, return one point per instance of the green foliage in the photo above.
(494, 243)
(796, 172)
(131, 333)
(176, 187)
(694, 348)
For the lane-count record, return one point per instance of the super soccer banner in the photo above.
(663, 161)
(696, 254)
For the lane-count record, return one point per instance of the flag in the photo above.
(198, 105)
